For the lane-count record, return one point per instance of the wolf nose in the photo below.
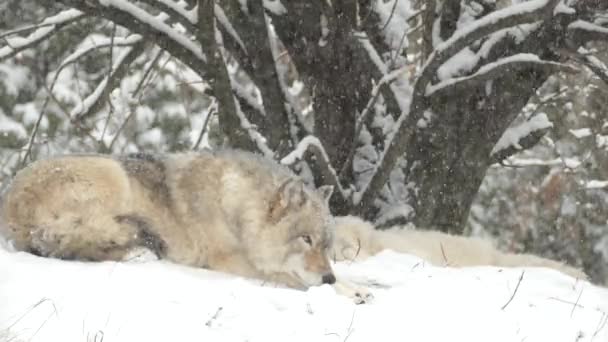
(328, 278)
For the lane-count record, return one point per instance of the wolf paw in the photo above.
(360, 295)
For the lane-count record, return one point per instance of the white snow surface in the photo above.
(52, 300)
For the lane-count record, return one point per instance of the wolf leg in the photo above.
(97, 239)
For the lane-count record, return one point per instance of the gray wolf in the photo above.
(356, 239)
(229, 211)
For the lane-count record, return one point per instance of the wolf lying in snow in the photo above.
(229, 211)
(356, 239)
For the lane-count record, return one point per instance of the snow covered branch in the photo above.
(520, 137)
(311, 145)
(522, 13)
(583, 31)
(43, 31)
(515, 63)
(153, 27)
(597, 67)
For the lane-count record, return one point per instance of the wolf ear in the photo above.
(325, 192)
(290, 195)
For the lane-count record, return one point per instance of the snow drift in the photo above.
(53, 300)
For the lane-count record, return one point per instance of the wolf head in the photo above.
(297, 230)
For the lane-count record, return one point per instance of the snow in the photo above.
(53, 300)
(463, 61)
(581, 132)
(275, 7)
(596, 184)
(14, 78)
(9, 125)
(513, 135)
(29, 115)
(301, 148)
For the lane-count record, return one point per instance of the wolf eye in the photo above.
(307, 239)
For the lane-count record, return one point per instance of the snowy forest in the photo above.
(480, 117)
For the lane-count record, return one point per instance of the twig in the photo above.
(576, 303)
(390, 17)
(566, 302)
(30, 143)
(445, 258)
(141, 85)
(521, 277)
(214, 317)
(601, 324)
(212, 110)
(350, 327)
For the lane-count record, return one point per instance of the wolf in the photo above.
(356, 239)
(230, 211)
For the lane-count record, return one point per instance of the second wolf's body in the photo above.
(356, 239)
(229, 211)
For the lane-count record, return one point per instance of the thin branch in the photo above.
(94, 102)
(30, 143)
(211, 111)
(387, 79)
(390, 17)
(75, 56)
(576, 303)
(521, 277)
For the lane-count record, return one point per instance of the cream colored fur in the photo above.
(229, 211)
(356, 239)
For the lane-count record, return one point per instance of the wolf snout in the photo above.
(328, 278)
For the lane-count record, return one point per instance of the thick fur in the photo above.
(229, 211)
(356, 239)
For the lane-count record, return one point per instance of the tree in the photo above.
(397, 104)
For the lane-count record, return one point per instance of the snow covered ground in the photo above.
(52, 300)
